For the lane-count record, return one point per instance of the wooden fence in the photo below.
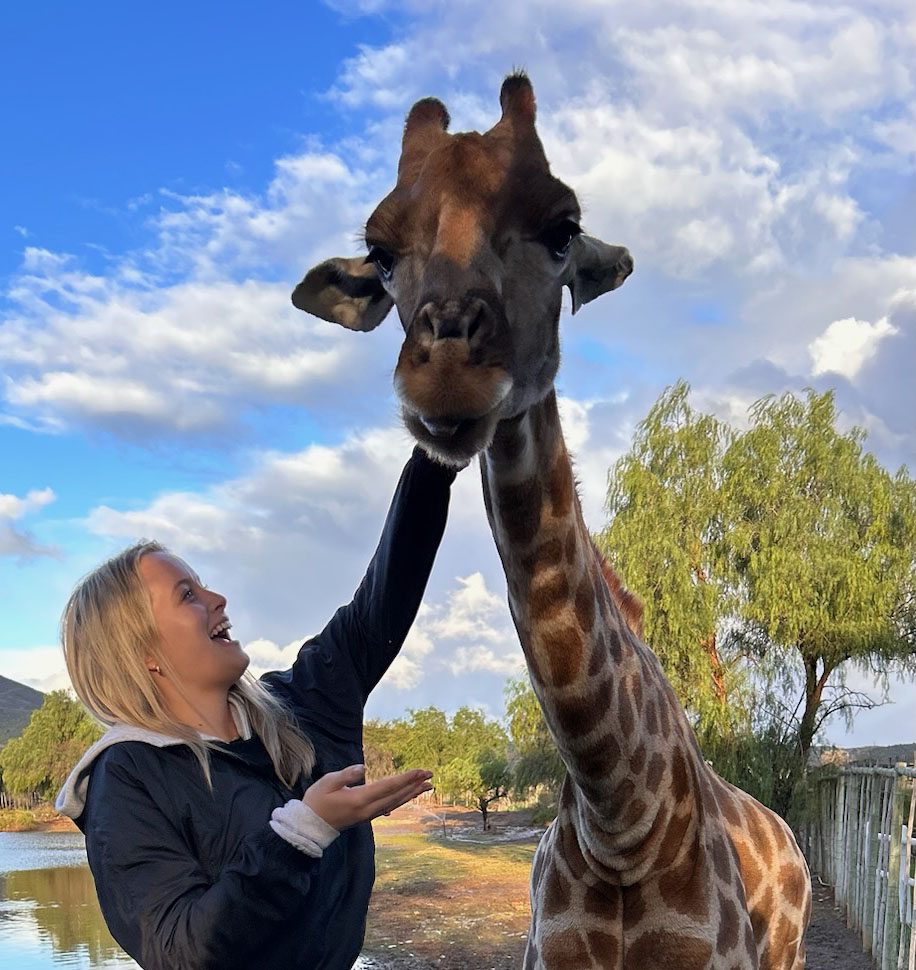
(29, 800)
(860, 840)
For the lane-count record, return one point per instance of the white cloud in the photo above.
(846, 344)
(18, 542)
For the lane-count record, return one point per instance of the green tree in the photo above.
(379, 749)
(822, 546)
(665, 538)
(536, 759)
(57, 735)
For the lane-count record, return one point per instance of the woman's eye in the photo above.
(559, 238)
(383, 260)
(188, 594)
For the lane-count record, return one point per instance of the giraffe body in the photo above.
(653, 862)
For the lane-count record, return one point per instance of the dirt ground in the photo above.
(462, 903)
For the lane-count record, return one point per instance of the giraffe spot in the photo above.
(634, 813)
(638, 759)
(512, 444)
(781, 938)
(548, 554)
(571, 545)
(680, 783)
(634, 907)
(562, 488)
(604, 904)
(556, 893)
(659, 949)
(585, 606)
(615, 644)
(664, 720)
(674, 838)
(624, 709)
(655, 772)
(520, 510)
(564, 654)
(637, 692)
(605, 947)
(566, 949)
(729, 935)
(751, 874)
(722, 860)
(597, 662)
(794, 884)
(571, 853)
(685, 890)
(651, 718)
(596, 761)
(548, 598)
(759, 836)
(576, 718)
(728, 807)
(750, 942)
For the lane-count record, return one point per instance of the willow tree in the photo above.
(665, 538)
(822, 545)
(56, 737)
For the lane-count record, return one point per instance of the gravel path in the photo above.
(831, 946)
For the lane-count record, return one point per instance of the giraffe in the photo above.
(653, 861)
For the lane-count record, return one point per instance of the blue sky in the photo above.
(171, 171)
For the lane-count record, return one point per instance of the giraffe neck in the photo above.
(629, 752)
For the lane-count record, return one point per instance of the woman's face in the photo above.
(191, 622)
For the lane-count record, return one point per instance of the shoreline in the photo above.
(43, 818)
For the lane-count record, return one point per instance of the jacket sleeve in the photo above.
(160, 904)
(351, 654)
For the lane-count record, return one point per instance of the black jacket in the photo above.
(190, 879)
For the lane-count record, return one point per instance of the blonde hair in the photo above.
(108, 631)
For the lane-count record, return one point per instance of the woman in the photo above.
(226, 824)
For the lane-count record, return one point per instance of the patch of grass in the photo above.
(449, 905)
(16, 820)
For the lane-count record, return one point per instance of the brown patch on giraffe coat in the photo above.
(728, 807)
(638, 759)
(585, 605)
(571, 853)
(650, 717)
(674, 837)
(605, 947)
(549, 598)
(572, 544)
(760, 915)
(685, 889)
(657, 949)
(729, 934)
(520, 510)
(634, 813)
(616, 646)
(605, 904)
(562, 488)
(598, 660)
(556, 892)
(634, 907)
(564, 654)
(722, 860)
(680, 781)
(655, 772)
(566, 949)
(548, 553)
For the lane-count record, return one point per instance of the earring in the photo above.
(156, 669)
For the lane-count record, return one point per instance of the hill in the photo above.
(16, 705)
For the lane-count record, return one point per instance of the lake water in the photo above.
(49, 914)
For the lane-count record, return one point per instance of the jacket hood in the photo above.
(71, 799)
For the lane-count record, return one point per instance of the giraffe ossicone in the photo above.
(653, 862)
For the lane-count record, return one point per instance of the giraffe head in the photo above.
(473, 246)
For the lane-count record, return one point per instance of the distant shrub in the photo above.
(16, 820)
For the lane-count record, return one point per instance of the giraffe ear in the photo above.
(344, 291)
(595, 268)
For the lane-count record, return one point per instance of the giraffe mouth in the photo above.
(454, 441)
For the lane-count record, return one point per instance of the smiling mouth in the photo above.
(221, 631)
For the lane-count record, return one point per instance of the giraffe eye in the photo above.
(559, 238)
(383, 259)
